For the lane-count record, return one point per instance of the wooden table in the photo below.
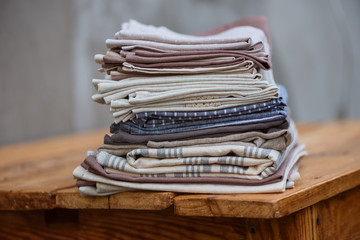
(38, 198)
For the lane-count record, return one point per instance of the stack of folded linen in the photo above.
(197, 114)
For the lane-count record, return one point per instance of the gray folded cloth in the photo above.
(277, 139)
(158, 118)
(132, 128)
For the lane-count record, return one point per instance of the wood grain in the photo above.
(38, 175)
(297, 226)
(141, 200)
(26, 200)
(338, 217)
(116, 224)
(334, 218)
(323, 205)
(332, 166)
(70, 198)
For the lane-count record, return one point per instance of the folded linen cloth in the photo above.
(103, 189)
(255, 54)
(201, 160)
(203, 124)
(162, 118)
(82, 183)
(273, 139)
(220, 127)
(245, 44)
(196, 93)
(120, 136)
(157, 55)
(93, 166)
(106, 190)
(252, 79)
(259, 22)
(133, 33)
(116, 74)
(124, 111)
(103, 183)
(193, 163)
(128, 67)
(213, 61)
(174, 123)
(135, 42)
(157, 118)
(133, 30)
(277, 140)
(179, 57)
(249, 80)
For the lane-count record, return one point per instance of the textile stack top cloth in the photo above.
(199, 114)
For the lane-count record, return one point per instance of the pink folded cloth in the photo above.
(254, 21)
(150, 47)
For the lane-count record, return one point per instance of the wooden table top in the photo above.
(38, 175)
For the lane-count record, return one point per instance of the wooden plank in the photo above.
(332, 167)
(116, 224)
(334, 218)
(338, 217)
(35, 187)
(297, 226)
(70, 198)
(32, 172)
(44, 180)
(44, 175)
(141, 200)
(15, 200)
(52, 147)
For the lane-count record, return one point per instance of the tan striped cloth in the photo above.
(217, 160)
(106, 186)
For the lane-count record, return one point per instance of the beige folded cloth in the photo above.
(134, 30)
(103, 183)
(278, 140)
(128, 67)
(225, 158)
(184, 93)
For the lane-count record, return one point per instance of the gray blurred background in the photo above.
(47, 49)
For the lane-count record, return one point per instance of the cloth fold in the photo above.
(277, 139)
(192, 113)
(139, 48)
(102, 182)
(120, 136)
(93, 166)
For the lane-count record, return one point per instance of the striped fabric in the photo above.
(216, 123)
(254, 108)
(196, 161)
(213, 123)
(156, 119)
(265, 168)
(174, 122)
